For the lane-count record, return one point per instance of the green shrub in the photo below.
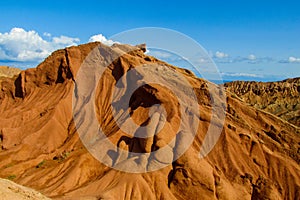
(41, 164)
(11, 177)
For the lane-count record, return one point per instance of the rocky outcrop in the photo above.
(280, 98)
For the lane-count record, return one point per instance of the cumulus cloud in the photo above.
(291, 59)
(101, 38)
(294, 59)
(220, 54)
(47, 34)
(20, 45)
(251, 57)
(64, 40)
(225, 58)
(220, 57)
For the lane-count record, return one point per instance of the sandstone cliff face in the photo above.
(279, 98)
(256, 156)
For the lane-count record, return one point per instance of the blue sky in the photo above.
(253, 40)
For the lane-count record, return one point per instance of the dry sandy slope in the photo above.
(256, 157)
(12, 191)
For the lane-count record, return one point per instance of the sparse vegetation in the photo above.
(11, 177)
(65, 154)
(9, 165)
(234, 96)
(62, 156)
(41, 164)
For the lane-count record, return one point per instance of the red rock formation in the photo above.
(280, 98)
(256, 156)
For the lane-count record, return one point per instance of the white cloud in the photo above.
(202, 60)
(294, 59)
(47, 34)
(221, 57)
(167, 56)
(220, 54)
(160, 54)
(291, 59)
(251, 57)
(20, 45)
(64, 40)
(101, 38)
(241, 75)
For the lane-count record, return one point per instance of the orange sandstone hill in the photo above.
(256, 156)
(280, 98)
